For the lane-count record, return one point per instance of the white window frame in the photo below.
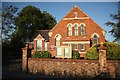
(83, 47)
(39, 44)
(95, 39)
(59, 51)
(76, 30)
(76, 14)
(45, 46)
(82, 27)
(69, 30)
(57, 39)
(75, 48)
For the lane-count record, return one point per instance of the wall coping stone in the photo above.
(64, 60)
(73, 60)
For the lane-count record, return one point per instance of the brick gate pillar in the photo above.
(26, 53)
(102, 57)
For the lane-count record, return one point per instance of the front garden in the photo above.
(113, 52)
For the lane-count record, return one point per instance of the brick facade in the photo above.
(60, 33)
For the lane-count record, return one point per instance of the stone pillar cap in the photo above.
(102, 48)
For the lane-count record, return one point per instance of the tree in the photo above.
(8, 22)
(115, 32)
(29, 20)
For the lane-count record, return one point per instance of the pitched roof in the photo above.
(43, 33)
(80, 13)
(39, 37)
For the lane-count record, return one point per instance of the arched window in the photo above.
(95, 39)
(82, 30)
(57, 38)
(76, 29)
(69, 30)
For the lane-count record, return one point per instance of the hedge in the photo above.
(113, 51)
(75, 54)
(41, 54)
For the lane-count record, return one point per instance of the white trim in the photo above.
(104, 32)
(39, 42)
(82, 52)
(58, 35)
(70, 24)
(75, 14)
(75, 24)
(50, 34)
(83, 24)
(75, 18)
(81, 29)
(74, 46)
(45, 46)
(76, 30)
(82, 42)
(69, 27)
(95, 34)
(38, 37)
(83, 47)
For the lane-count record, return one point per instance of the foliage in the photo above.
(115, 32)
(41, 54)
(92, 53)
(113, 51)
(8, 21)
(37, 54)
(75, 54)
(30, 19)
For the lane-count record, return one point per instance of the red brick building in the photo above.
(76, 31)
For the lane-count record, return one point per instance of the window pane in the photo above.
(39, 45)
(57, 40)
(67, 54)
(95, 39)
(69, 30)
(76, 30)
(82, 30)
(75, 46)
(82, 46)
(59, 51)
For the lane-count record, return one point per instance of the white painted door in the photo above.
(59, 52)
(67, 52)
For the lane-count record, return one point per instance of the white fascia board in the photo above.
(80, 42)
(76, 18)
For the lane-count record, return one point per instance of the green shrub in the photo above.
(41, 54)
(75, 54)
(92, 53)
(45, 54)
(113, 51)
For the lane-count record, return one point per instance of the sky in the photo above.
(98, 11)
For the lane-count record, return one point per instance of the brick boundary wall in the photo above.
(79, 68)
(69, 67)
